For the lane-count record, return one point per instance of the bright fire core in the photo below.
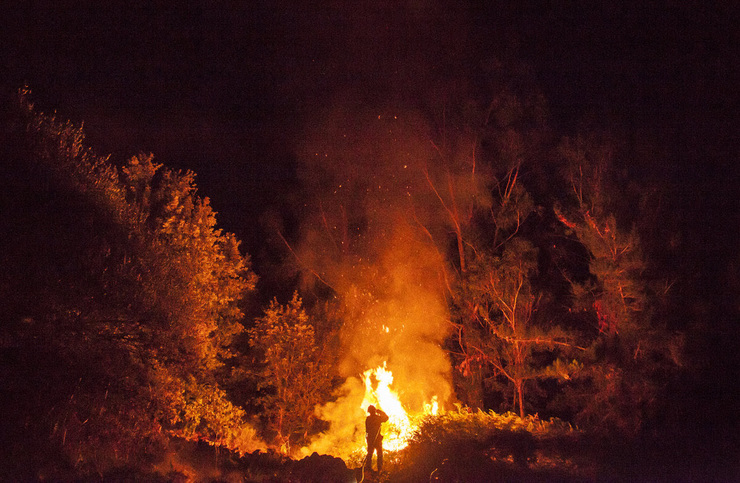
(401, 425)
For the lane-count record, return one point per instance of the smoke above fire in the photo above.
(371, 231)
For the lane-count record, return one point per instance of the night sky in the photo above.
(226, 88)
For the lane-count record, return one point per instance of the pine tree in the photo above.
(629, 352)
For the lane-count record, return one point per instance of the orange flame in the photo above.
(401, 425)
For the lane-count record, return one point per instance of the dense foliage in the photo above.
(120, 302)
(465, 445)
(552, 306)
(292, 376)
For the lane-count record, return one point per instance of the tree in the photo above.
(123, 300)
(501, 334)
(503, 340)
(500, 341)
(629, 352)
(292, 375)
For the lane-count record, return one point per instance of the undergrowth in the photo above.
(473, 446)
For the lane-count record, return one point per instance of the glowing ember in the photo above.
(400, 426)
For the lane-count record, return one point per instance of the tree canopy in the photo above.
(123, 299)
(292, 375)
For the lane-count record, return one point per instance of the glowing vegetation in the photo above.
(124, 303)
(477, 445)
(437, 276)
(291, 373)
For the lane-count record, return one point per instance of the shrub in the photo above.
(486, 446)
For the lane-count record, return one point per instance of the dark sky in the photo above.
(224, 88)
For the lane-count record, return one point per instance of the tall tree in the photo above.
(124, 299)
(500, 341)
(630, 352)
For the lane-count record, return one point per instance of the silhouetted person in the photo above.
(374, 438)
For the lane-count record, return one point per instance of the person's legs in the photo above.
(369, 459)
(379, 449)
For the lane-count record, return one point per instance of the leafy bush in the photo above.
(485, 446)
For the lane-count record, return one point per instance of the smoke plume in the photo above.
(371, 231)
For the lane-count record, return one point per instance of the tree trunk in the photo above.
(519, 391)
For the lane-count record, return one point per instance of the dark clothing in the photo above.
(373, 422)
(375, 445)
(374, 438)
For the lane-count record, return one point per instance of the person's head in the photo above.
(371, 409)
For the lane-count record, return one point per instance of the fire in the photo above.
(400, 426)
(345, 437)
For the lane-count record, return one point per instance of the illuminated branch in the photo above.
(542, 341)
(495, 364)
(454, 217)
(578, 190)
(431, 238)
(501, 370)
(511, 180)
(301, 262)
(453, 213)
(510, 183)
(326, 225)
